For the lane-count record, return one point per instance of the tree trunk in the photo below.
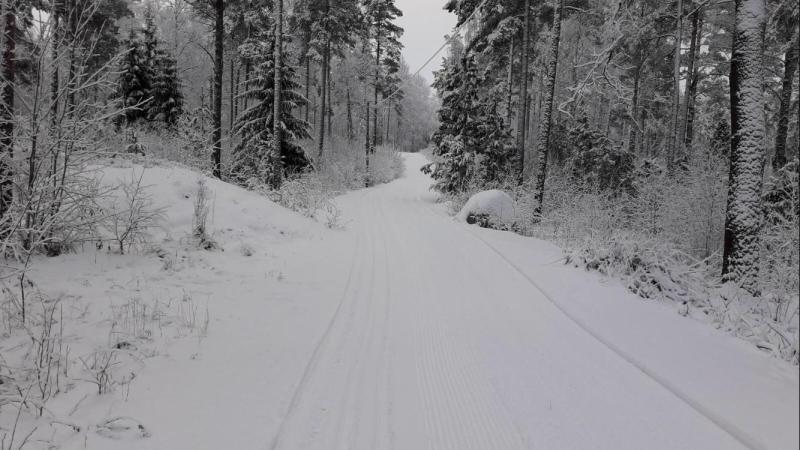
(510, 81)
(7, 113)
(377, 88)
(247, 70)
(324, 73)
(349, 117)
(55, 82)
(528, 116)
(323, 109)
(790, 66)
(329, 90)
(236, 87)
(687, 131)
(72, 17)
(277, 122)
(675, 139)
(634, 133)
(308, 86)
(55, 85)
(522, 111)
(743, 218)
(367, 148)
(388, 123)
(547, 111)
(219, 35)
(232, 95)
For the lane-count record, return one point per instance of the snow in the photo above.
(405, 330)
(494, 203)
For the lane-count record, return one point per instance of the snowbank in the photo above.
(144, 334)
(493, 203)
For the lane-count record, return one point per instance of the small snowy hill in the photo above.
(174, 188)
(220, 333)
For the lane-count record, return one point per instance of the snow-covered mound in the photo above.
(495, 204)
(235, 213)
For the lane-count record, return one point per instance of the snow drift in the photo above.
(494, 205)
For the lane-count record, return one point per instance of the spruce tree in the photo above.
(135, 80)
(473, 144)
(167, 99)
(251, 158)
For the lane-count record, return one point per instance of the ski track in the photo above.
(439, 342)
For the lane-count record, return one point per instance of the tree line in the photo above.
(84, 78)
(621, 96)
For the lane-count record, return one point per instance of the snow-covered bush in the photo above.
(493, 208)
(341, 169)
(185, 143)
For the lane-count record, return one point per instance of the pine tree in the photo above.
(149, 82)
(381, 15)
(789, 26)
(150, 43)
(328, 27)
(277, 98)
(473, 144)
(744, 213)
(12, 25)
(134, 86)
(598, 162)
(252, 157)
(547, 119)
(167, 100)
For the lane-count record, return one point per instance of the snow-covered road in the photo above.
(406, 330)
(440, 342)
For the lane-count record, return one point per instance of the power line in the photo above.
(439, 50)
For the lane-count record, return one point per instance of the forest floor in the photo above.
(402, 330)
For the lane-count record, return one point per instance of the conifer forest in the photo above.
(399, 224)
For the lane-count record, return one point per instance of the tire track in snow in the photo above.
(360, 405)
(316, 355)
(339, 401)
(720, 422)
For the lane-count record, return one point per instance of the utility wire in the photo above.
(439, 50)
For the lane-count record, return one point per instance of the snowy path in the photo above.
(438, 343)
(404, 331)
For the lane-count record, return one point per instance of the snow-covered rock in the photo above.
(496, 205)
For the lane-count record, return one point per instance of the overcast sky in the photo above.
(425, 23)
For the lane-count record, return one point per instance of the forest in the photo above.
(657, 141)
(259, 224)
(195, 82)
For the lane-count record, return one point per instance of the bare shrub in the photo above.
(202, 208)
(132, 321)
(50, 357)
(54, 204)
(133, 215)
(98, 368)
(192, 319)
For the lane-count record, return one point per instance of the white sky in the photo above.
(425, 24)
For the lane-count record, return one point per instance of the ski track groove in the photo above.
(458, 376)
(316, 354)
(403, 343)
